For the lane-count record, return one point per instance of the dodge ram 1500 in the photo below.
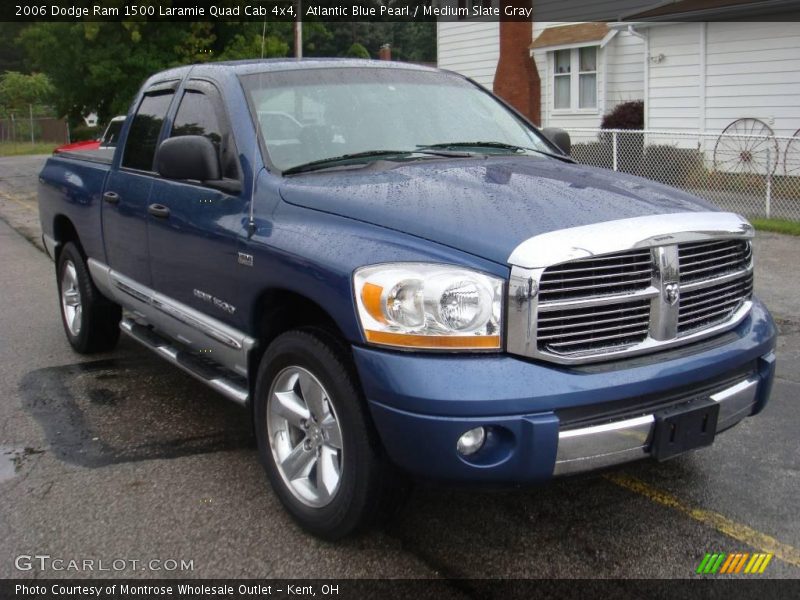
(397, 274)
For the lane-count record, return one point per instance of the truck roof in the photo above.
(245, 67)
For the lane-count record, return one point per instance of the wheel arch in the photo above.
(278, 310)
(64, 231)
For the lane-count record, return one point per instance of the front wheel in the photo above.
(315, 438)
(90, 321)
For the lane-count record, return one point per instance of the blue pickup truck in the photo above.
(397, 274)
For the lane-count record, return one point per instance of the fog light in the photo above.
(471, 441)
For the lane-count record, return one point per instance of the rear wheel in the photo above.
(315, 438)
(90, 321)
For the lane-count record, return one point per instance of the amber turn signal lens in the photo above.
(466, 342)
(371, 297)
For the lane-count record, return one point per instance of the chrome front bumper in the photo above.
(609, 444)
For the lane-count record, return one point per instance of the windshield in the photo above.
(311, 115)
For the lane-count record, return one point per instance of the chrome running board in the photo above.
(226, 382)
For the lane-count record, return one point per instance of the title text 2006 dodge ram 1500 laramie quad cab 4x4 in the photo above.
(397, 273)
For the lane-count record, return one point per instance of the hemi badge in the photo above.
(245, 259)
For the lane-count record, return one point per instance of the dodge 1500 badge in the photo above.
(396, 274)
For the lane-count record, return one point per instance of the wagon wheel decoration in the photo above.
(791, 157)
(746, 146)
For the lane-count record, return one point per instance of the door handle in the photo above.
(111, 197)
(158, 210)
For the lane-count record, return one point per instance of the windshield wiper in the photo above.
(332, 160)
(500, 145)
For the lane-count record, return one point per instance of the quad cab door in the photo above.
(127, 190)
(194, 227)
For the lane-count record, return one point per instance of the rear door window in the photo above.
(140, 147)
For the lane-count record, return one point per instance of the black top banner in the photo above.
(398, 10)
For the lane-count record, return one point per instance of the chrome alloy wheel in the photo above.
(71, 299)
(305, 436)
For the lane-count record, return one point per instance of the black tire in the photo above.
(96, 328)
(369, 487)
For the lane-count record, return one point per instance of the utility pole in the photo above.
(298, 31)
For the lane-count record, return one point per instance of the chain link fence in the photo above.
(22, 130)
(754, 175)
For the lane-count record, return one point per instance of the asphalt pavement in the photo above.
(121, 456)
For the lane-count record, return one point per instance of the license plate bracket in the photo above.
(685, 427)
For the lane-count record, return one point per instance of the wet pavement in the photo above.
(122, 456)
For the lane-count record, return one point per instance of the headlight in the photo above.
(421, 305)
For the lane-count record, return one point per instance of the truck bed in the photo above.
(71, 185)
(101, 155)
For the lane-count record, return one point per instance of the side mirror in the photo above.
(188, 157)
(559, 137)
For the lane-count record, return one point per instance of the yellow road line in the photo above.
(743, 533)
(20, 202)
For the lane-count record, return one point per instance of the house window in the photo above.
(587, 77)
(575, 79)
(563, 78)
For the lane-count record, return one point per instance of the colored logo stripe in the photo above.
(737, 562)
(727, 564)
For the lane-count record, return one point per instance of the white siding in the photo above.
(625, 78)
(753, 70)
(674, 91)
(471, 48)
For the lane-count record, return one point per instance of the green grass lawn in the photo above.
(777, 226)
(20, 148)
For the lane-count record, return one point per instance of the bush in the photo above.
(627, 115)
(630, 146)
(82, 132)
(357, 51)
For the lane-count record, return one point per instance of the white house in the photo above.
(692, 76)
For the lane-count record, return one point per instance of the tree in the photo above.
(101, 65)
(244, 41)
(19, 91)
(357, 51)
(11, 55)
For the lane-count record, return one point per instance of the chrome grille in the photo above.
(598, 276)
(704, 260)
(594, 327)
(573, 316)
(592, 307)
(707, 306)
(620, 288)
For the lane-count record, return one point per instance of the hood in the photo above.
(484, 206)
